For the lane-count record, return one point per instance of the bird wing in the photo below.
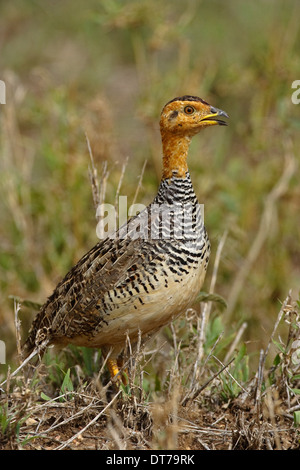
(73, 304)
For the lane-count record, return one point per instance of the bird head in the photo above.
(187, 115)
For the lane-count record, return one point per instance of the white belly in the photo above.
(159, 307)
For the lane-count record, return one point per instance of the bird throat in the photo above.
(175, 151)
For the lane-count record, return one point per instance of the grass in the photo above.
(198, 400)
(104, 70)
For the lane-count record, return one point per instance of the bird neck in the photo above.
(175, 151)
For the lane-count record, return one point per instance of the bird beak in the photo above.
(214, 115)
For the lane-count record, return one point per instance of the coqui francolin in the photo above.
(150, 270)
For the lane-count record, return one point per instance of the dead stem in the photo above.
(17, 308)
(263, 231)
(200, 389)
(205, 312)
(139, 183)
(93, 174)
(93, 421)
(264, 354)
(236, 341)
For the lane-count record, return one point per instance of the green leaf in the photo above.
(205, 297)
(279, 346)
(297, 418)
(241, 353)
(276, 360)
(67, 385)
(45, 397)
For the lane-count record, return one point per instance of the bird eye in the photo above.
(189, 110)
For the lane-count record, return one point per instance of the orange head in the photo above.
(187, 115)
(181, 119)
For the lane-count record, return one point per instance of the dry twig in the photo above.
(263, 231)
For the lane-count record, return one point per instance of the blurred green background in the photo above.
(105, 69)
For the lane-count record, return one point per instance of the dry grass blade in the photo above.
(205, 312)
(230, 375)
(139, 183)
(93, 421)
(120, 182)
(35, 352)
(200, 389)
(259, 378)
(279, 318)
(174, 372)
(272, 414)
(198, 371)
(265, 226)
(264, 354)
(236, 341)
(93, 177)
(17, 308)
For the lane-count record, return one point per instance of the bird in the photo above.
(150, 270)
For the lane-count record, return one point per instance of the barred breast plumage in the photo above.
(151, 269)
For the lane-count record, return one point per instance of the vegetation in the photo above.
(226, 374)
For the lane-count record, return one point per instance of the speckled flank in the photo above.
(138, 280)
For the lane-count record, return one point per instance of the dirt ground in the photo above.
(87, 423)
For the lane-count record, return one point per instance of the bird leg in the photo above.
(114, 367)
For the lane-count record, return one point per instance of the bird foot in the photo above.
(114, 367)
